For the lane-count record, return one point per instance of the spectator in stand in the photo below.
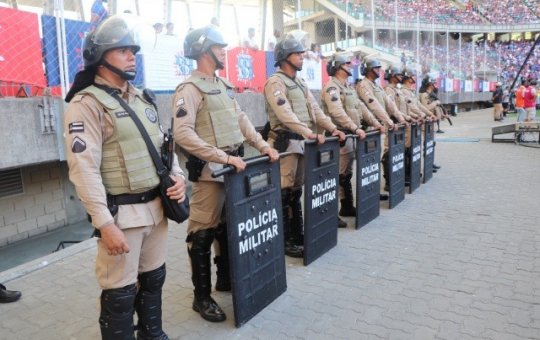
(170, 28)
(273, 40)
(314, 53)
(249, 41)
(497, 103)
(158, 27)
(98, 12)
(214, 21)
(520, 101)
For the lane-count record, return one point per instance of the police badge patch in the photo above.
(151, 115)
(78, 145)
(181, 112)
(280, 101)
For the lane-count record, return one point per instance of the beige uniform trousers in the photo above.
(497, 111)
(206, 205)
(147, 251)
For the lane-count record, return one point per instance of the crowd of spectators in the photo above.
(503, 57)
(446, 11)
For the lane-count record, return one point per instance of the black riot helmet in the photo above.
(369, 65)
(200, 41)
(393, 71)
(337, 62)
(294, 42)
(113, 32)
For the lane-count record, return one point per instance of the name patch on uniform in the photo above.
(280, 101)
(76, 127)
(216, 91)
(151, 115)
(78, 145)
(121, 114)
(331, 90)
(277, 93)
(230, 93)
(180, 101)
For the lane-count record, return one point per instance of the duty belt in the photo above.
(290, 134)
(142, 197)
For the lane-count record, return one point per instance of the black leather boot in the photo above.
(407, 167)
(347, 207)
(116, 316)
(148, 305)
(292, 249)
(297, 220)
(223, 282)
(200, 268)
(7, 296)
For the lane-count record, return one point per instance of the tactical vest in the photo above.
(297, 97)
(349, 100)
(398, 98)
(126, 165)
(217, 121)
(377, 91)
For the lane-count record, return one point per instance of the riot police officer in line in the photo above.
(393, 89)
(428, 97)
(378, 102)
(341, 103)
(293, 115)
(413, 104)
(211, 127)
(115, 178)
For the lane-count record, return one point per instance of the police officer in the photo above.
(380, 104)
(413, 104)
(394, 77)
(341, 103)
(293, 113)
(428, 98)
(115, 178)
(211, 127)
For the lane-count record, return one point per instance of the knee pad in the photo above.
(153, 280)
(118, 301)
(201, 240)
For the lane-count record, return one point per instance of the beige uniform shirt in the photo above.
(331, 96)
(84, 154)
(427, 102)
(275, 91)
(187, 101)
(414, 105)
(396, 95)
(368, 91)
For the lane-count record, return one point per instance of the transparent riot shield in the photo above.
(321, 170)
(414, 157)
(429, 151)
(255, 236)
(368, 178)
(396, 166)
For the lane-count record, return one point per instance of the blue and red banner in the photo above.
(246, 69)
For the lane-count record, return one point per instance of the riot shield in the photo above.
(321, 173)
(396, 166)
(255, 236)
(429, 151)
(368, 178)
(414, 156)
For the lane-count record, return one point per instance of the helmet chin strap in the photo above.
(219, 64)
(126, 75)
(293, 66)
(344, 70)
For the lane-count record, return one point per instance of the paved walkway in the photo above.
(458, 259)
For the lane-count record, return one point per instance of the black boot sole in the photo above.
(218, 318)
